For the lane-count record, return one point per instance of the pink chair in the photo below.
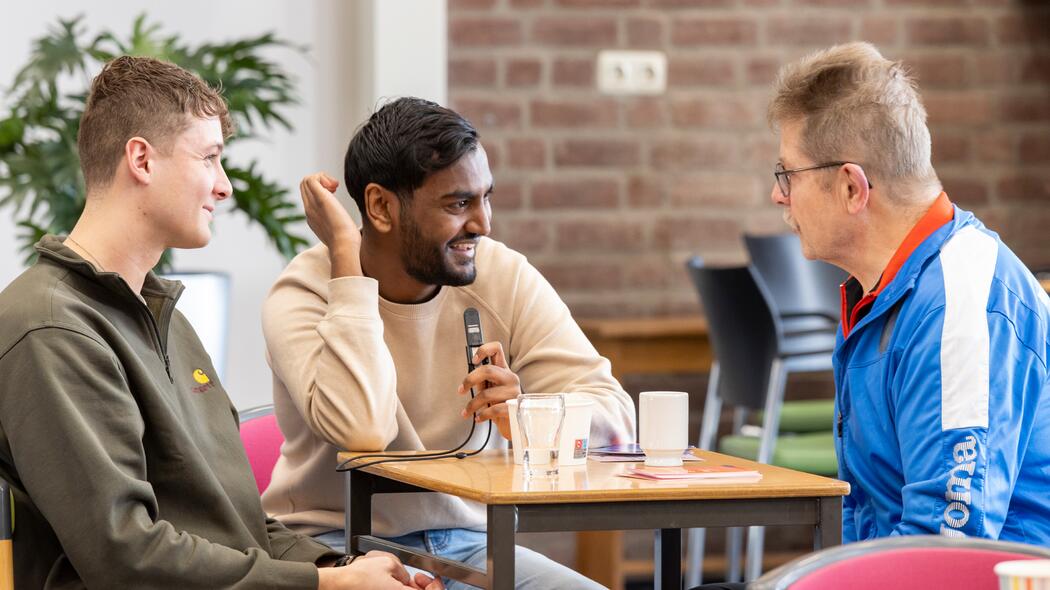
(262, 442)
(921, 562)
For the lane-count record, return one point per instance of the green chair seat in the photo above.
(812, 452)
(810, 415)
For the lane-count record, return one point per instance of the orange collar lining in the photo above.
(940, 213)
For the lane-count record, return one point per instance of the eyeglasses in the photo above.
(784, 176)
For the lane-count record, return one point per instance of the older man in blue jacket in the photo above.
(942, 400)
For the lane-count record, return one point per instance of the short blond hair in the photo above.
(144, 97)
(855, 104)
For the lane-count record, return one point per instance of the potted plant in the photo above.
(40, 178)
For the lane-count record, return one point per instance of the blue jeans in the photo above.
(532, 571)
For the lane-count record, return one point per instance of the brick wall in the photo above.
(608, 196)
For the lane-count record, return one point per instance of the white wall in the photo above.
(323, 122)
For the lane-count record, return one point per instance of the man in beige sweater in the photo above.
(365, 336)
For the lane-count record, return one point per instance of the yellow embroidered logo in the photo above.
(202, 378)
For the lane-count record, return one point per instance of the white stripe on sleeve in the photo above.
(968, 262)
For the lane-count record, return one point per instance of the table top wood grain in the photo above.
(492, 478)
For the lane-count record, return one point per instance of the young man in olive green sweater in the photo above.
(119, 443)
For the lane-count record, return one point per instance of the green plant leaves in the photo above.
(12, 130)
(40, 178)
(57, 53)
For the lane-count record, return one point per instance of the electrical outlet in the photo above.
(632, 72)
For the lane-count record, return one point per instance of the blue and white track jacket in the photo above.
(942, 396)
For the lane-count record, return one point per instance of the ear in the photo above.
(855, 188)
(138, 160)
(382, 207)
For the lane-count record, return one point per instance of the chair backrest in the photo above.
(902, 563)
(7, 560)
(797, 285)
(742, 329)
(262, 441)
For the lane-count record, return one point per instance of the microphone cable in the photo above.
(393, 458)
(472, 328)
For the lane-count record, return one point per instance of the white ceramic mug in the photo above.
(575, 431)
(663, 427)
(1024, 573)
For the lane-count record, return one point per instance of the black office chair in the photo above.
(805, 292)
(805, 295)
(752, 360)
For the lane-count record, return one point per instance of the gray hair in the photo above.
(856, 105)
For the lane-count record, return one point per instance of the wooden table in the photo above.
(589, 497)
(645, 346)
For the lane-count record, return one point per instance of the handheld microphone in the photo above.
(472, 326)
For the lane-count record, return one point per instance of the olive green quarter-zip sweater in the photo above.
(121, 446)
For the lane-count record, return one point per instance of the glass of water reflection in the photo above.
(540, 416)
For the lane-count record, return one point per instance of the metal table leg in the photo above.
(668, 575)
(828, 531)
(502, 527)
(359, 489)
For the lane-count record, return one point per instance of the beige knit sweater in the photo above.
(354, 371)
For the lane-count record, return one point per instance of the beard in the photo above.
(430, 263)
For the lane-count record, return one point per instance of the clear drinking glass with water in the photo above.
(540, 416)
